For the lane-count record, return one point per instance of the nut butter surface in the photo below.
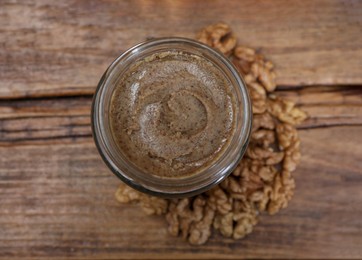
(172, 114)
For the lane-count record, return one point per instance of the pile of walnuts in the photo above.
(262, 182)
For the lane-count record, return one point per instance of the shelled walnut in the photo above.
(262, 182)
(218, 36)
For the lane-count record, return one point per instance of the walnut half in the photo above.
(218, 36)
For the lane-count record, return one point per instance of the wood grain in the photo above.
(64, 48)
(57, 201)
(57, 195)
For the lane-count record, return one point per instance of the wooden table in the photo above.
(56, 194)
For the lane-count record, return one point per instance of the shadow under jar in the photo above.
(171, 117)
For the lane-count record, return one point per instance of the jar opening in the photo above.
(180, 92)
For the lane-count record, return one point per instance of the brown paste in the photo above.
(172, 114)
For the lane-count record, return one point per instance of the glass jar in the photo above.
(152, 184)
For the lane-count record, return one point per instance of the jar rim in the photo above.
(151, 184)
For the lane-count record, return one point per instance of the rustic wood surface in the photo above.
(56, 195)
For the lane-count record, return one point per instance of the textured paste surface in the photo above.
(172, 114)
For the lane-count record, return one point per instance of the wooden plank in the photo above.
(56, 195)
(328, 105)
(64, 48)
(68, 119)
(44, 120)
(58, 200)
